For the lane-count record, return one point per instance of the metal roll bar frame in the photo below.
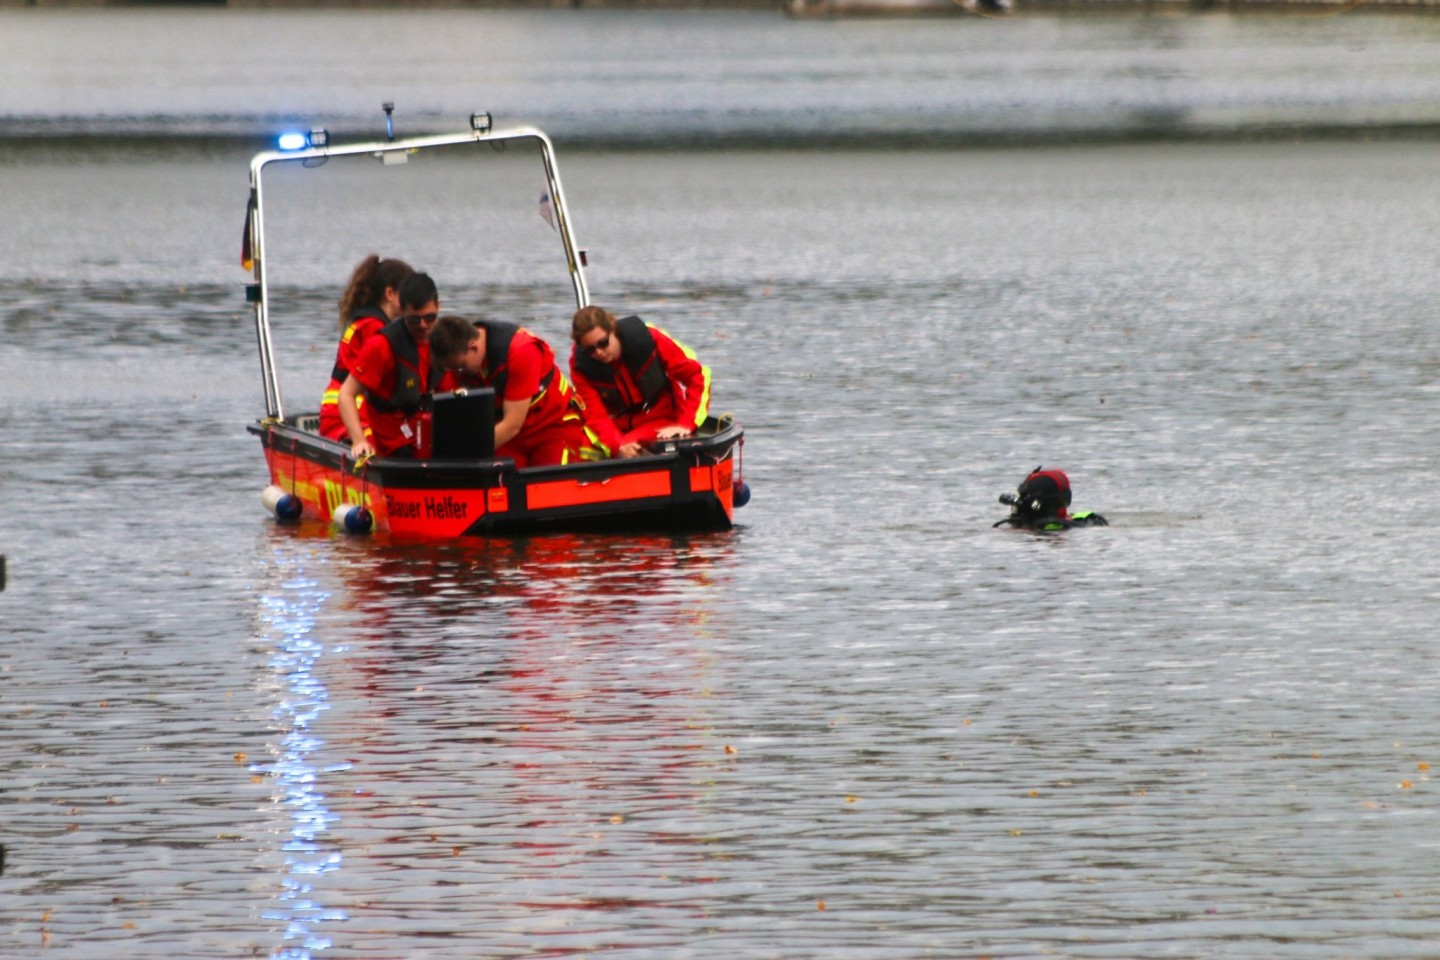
(258, 292)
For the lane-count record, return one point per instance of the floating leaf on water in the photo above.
(819, 904)
(240, 758)
(730, 749)
(1406, 785)
(617, 819)
(1422, 765)
(851, 799)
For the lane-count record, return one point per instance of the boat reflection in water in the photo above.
(478, 731)
(288, 614)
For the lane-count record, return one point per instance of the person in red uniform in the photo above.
(639, 385)
(371, 300)
(394, 373)
(539, 419)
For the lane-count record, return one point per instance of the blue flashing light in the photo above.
(293, 141)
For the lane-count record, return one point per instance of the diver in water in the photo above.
(1042, 502)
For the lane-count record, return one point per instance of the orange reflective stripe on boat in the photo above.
(567, 493)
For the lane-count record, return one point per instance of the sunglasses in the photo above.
(602, 344)
(425, 318)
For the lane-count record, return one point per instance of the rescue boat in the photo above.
(458, 487)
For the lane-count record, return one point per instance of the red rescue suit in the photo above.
(521, 366)
(656, 383)
(396, 374)
(363, 323)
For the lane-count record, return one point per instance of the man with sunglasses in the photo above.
(539, 420)
(395, 372)
(639, 385)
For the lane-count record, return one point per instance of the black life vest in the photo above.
(339, 373)
(641, 358)
(411, 383)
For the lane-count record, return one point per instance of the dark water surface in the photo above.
(862, 724)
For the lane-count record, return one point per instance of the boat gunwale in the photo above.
(708, 449)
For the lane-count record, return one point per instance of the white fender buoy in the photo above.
(353, 519)
(285, 506)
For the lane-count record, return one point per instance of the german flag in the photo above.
(247, 244)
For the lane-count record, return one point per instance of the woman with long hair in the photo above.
(371, 300)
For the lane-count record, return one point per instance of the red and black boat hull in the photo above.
(689, 484)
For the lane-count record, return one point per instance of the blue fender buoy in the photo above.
(285, 506)
(353, 519)
(741, 493)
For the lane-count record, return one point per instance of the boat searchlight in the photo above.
(480, 122)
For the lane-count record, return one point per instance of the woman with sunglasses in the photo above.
(639, 385)
(371, 300)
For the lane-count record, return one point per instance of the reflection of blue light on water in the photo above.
(290, 616)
